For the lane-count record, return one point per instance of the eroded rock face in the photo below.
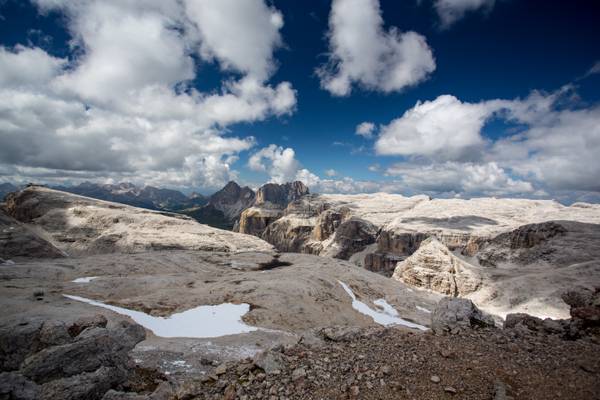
(271, 201)
(280, 195)
(434, 267)
(255, 220)
(352, 236)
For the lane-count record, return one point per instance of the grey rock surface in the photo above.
(452, 315)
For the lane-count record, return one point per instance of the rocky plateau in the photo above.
(316, 297)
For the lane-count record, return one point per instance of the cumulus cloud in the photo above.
(465, 178)
(123, 104)
(240, 34)
(331, 172)
(450, 11)
(442, 129)
(361, 51)
(365, 129)
(25, 66)
(555, 147)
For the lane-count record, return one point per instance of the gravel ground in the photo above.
(396, 364)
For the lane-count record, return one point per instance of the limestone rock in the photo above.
(454, 315)
(83, 226)
(434, 267)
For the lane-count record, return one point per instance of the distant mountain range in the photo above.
(145, 197)
(220, 210)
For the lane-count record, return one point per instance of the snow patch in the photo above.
(388, 316)
(199, 322)
(85, 279)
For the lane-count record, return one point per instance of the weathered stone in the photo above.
(456, 314)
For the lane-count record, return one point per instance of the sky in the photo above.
(451, 98)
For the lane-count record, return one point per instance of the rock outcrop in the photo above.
(436, 268)
(78, 226)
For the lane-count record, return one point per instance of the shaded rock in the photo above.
(85, 386)
(456, 314)
(434, 267)
(17, 240)
(352, 236)
(17, 341)
(15, 386)
(91, 350)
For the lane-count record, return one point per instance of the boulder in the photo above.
(436, 268)
(453, 315)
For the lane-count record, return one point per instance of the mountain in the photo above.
(6, 188)
(224, 207)
(145, 197)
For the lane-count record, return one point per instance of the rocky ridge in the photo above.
(79, 225)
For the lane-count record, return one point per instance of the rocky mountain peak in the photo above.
(280, 194)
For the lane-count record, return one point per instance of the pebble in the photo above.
(435, 379)
(450, 389)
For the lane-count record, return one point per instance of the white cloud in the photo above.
(25, 66)
(281, 165)
(363, 52)
(555, 148)
(124, 106)
(331, 172)
(365, 129)
(465, 178)
(442, 129)
(240, 34)
(450, 11)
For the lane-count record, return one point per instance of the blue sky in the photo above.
(501, 84)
